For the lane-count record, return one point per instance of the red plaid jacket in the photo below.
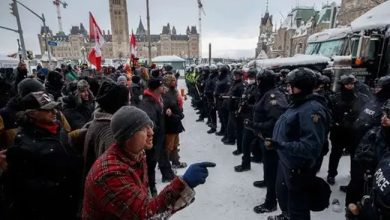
(117, 188)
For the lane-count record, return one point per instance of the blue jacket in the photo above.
(301, 132)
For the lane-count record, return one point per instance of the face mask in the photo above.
(251, 81)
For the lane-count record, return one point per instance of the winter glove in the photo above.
(248, 124)
(197, 173)
(270, 144)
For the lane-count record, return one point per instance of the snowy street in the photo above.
(227, 194)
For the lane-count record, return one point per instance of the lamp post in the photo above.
(42, 18)
(148, 23)
(83, 53)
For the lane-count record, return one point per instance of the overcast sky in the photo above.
(232, 26)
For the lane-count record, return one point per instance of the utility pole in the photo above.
(42, 18)
(209, 54)
(148, 24)
(15, 12)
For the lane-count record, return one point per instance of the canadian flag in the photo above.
(95, 55)
(133, 48)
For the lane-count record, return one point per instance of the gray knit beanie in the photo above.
(127, 121)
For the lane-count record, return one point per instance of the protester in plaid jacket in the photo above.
(117, 184)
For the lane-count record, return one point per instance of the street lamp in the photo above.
(83, 53)
(42, 18)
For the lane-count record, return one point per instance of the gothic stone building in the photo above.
(352, 9)
(168, 42)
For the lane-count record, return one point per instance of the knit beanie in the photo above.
(112, 96)
(29, 85)
(127, 121)
(121, 79)
(135, 79)
(154, 83)
(82, 85)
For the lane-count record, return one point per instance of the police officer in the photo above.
(369, 117)
(245, 111)
(209, 95)
(266, 112)
(232, 97)
(345, 106)
(221, 88)
(298, 137)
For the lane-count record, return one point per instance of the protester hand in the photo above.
(248, 123)
(168, 112)
(197, 173)
(270, 144)
(3, 160)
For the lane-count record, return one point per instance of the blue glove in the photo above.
(197, 173)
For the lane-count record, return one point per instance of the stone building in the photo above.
(168, 42)
(68, 46)
(76, 45)
(266, 33)
(119, 28)
(301, 22)
(352, 9)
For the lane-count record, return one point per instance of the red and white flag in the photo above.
(95, 55)
(133, 48)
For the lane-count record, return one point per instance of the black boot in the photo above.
(220, 133)
(241, 168)
(259, 184)
(212, 130)
(237, 152)
(263, 208)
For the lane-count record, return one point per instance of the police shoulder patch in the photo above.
(315, 117)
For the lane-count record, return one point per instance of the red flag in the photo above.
(95, 55)
(133, 48)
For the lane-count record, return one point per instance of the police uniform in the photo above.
(266, 112)
(300, 134)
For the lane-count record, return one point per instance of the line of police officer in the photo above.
(289, 132)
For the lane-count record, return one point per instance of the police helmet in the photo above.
(347, 79)
(213, 67)
(386, 107)
(325, 79)
(266, 77)
(302, 78)
(252, 73)
(224, 69)
(237, 72)
(284, 72)
(383, 82)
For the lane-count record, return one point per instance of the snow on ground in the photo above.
(227, 194)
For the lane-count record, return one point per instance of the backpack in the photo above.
(319, 194)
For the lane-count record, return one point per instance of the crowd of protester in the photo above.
(76, 143)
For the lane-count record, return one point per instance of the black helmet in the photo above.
(325, 79)
(383, 82)
(252, 73)
(386, 107)
(347, 79)
(302, 78)
(224, 69)
(284, 72)
(237, 72)
(266, 78)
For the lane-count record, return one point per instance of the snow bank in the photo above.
(377, 17)
(299, 59)
(329, 34)
(168, 59)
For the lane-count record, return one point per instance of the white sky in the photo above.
(231, 26)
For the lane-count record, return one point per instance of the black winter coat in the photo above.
(136, 92)
(76, 113)
(268, 110)
(173, 123)
(235, 92)
(155, 113)
(43, 180)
